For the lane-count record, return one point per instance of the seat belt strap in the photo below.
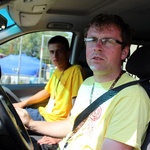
(100, 100)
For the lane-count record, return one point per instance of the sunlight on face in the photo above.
(101, 58)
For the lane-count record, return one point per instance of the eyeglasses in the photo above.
(106, 42)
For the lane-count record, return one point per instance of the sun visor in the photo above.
(29, 19)
(27, 14)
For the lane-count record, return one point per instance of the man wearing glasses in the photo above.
(119, 123)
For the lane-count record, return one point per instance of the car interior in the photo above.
(45, 18)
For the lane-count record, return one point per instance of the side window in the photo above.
(25, 60)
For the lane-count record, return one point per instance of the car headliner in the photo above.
(73, 15)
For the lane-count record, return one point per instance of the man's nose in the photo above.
(55, 54)
(98, 43)
(98, 46)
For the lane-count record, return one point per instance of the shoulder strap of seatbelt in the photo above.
(103, 98)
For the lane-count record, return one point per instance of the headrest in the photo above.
(139, 62)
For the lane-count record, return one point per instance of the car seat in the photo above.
(82, 61)
(138, 64)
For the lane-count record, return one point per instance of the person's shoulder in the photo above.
(126, 78)
(76, 66)
(89, 80)
(137, 89)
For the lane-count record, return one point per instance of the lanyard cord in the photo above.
(113, 84)
(55, 92)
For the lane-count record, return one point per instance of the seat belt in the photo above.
(100, 100)
(81, 118)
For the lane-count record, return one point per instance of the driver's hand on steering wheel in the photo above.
(24, 116)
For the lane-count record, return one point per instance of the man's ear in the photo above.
(125, 53)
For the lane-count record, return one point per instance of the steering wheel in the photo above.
(13, 134)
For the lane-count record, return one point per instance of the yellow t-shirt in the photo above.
(123, 118)
(62, 86)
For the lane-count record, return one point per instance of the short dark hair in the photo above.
(59, 39)
(109, 19)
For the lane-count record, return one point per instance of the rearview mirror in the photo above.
(3, 22)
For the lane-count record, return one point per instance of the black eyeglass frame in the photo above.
(93, 39)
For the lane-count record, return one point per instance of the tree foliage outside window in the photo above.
(30, 44)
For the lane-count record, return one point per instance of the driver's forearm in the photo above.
(55, 129)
